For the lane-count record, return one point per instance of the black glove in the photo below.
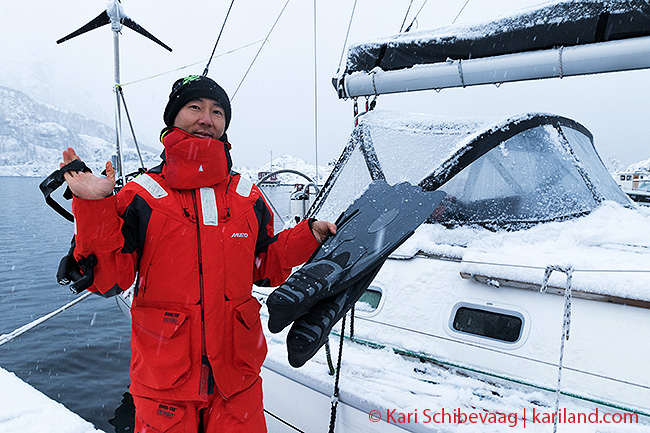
(79, 274)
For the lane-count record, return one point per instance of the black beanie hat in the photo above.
(191, 88)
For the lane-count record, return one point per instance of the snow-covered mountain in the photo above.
(640, 166)
(33, 135)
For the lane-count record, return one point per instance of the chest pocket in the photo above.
(239, 240)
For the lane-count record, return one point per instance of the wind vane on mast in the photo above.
(115, 16)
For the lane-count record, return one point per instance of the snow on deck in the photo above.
(609, 251)
(27, 410)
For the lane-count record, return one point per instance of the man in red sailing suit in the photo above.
(197, 236)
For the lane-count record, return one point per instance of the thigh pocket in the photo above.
(157, 416)
(249, 342)
(161, 347)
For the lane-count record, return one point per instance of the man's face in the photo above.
(202, 117)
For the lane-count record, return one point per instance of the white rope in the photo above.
(566, 325)
(460, 72)
(560, 51)
(460, 69)
(374, 87)
(5, 338)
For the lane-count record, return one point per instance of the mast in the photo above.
(118, 163)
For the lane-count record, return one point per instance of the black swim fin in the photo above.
(367, 233)
(309, 332)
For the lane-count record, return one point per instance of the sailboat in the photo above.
(468, 321)
(518, 302)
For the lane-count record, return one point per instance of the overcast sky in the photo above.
(274, 109)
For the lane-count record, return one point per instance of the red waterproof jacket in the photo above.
(196, 253)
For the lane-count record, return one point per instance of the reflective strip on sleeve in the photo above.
(244, 187)
(209, 207)
(152, 187)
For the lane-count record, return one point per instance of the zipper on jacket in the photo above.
(207, 380)
(227, 202)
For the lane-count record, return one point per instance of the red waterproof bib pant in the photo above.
(197, 341)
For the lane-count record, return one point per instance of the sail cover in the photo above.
(565, 24)
(558, 24)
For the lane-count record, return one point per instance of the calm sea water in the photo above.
(79, 358)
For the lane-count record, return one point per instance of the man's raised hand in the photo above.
(85, 184)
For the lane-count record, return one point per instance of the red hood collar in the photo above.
(194, 162)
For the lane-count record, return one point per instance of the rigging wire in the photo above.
(5, 338)
(119, 160)
(408, 29)
(460, 12)
(207, 66)
(128, 117)
(258, 51)
(509, 265)
(315, 96)
(347, 34)
(406, 16)
(190, 64)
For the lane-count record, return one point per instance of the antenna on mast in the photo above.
(115, 16)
